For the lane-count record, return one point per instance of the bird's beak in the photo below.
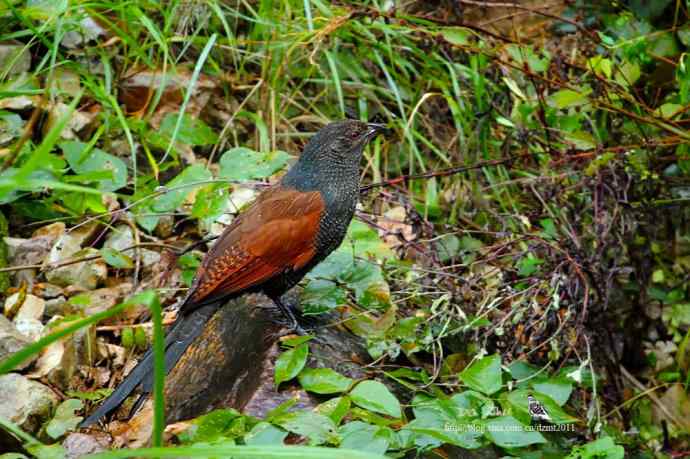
(374, 130)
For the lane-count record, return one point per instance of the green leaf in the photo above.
(568, 98)
(41, 451)
(322, 295)
(290, 363)
(559, 389)
(365, 437)
(265, 433)
(116, 259)
(92, 396)
(210, 426)
(459, 432)
(374, 396)
(64, 419)
(507, 432)
(603, 448)
(244, 164)
(519, 406)
(528, 265)
(317, 427)
(365, 242)
(323, 381)
(456, 35)
(193, 131)
(335, 408)
(95, 161)
(177, 189)
(483, 375)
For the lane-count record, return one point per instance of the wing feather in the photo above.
(277, 233)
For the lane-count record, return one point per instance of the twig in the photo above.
(432, 174)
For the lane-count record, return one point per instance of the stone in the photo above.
(46, 290)
(121, 238)
(11, 341)
(53, 230)
(32, 329)
(15, 58)
(99, 300)
(21, 252)
(57, 306)
(24, 402)
(87, 274)
(31, 308)
(77, 444)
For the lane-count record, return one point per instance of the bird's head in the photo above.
(341, 142)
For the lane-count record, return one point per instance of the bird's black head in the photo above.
(333, 152)
(341, 142)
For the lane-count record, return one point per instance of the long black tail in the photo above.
(180, 336)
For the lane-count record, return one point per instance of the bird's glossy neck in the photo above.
(325, 170)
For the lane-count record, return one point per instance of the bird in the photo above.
(289, 228)
(536, 409)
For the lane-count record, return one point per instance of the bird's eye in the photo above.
(355, 133)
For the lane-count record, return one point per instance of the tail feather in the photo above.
(180, 336)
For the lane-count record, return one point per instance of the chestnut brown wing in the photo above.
(275, 234)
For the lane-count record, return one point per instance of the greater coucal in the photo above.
(289, 229)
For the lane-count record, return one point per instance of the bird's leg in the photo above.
(287, 312)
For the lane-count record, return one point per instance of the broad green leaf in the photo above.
(265, 433)
(374, 396)
(290, 363)
(524, 54)
(519, 406)
(317, 427)
(323, 381)
(116, 259)
(177, 189)
(528, 265)
(522, 370)
(463, 433)
(210, 426)
(335, 408)
(456, 35)
(507, 432)
(95, 161)
(568, 98)
(41, 451)
(366, 242)
(10, 127)
(92, 396)
(64, 420)
(365, 437)
(603, 448)
(322, 295)
(483, 375)
(559, 389)
(193, 131)
(244, 164)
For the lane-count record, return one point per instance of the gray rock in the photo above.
(24, 402)
(104, 298)
(87, 275)
(31, 308)
(122, 238)
(79, 444)
(32, 329)
(15, 58)
(57, 306)
(11, 341)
